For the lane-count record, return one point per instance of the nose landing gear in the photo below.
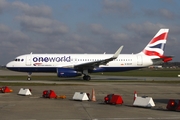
(29, 76)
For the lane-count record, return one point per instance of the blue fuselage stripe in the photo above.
(54, 69)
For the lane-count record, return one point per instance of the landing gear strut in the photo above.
(29, 76)
(86, 76)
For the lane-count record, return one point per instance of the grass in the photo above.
(147, 73)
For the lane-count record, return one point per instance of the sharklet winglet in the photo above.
(117, 52)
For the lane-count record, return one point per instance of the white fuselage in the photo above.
(50, 62)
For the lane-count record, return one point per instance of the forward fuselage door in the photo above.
(28, 60)
(139, 60)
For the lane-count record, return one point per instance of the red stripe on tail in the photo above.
(160, 37)
(151, 53)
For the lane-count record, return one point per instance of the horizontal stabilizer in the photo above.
(167, 58)
(162, 59)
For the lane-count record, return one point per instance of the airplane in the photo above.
(72, 65)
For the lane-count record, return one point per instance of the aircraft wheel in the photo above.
(29, 78)
(86, 77)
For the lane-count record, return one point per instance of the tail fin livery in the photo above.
(156, 46)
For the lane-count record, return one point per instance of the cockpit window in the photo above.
(18, 59)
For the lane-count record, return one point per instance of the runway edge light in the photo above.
(113, 99)
(49, 94)
(173, 105)
(6, 89)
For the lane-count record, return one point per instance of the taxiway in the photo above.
(16, 107)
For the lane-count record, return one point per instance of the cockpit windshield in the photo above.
(18, 60)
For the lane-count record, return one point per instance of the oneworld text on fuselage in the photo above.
(52, 59)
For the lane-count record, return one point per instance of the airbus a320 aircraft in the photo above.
(72, 65)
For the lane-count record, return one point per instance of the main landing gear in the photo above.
(86, 77)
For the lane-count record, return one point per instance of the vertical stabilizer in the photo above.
(156, 46)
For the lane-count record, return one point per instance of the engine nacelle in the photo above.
(67, 72)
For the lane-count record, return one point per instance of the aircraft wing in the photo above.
(91, 65)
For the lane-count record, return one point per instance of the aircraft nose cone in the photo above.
(8, 65)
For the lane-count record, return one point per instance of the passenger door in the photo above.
(28, 60)
(139, 60)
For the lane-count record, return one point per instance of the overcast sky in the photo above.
(85, 26)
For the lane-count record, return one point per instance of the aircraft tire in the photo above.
(86, 77)
(28, 78)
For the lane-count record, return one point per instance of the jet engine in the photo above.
(67, 72)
